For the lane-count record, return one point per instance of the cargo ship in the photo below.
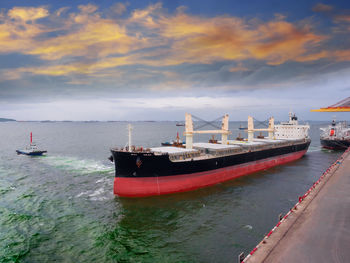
(336, 136)
(141, 172)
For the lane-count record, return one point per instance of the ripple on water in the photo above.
(21, 231)
(61, 208)
(75, 165)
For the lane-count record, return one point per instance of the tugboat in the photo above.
(336, 136)
(176, 143)
(32, 149)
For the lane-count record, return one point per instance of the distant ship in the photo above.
(176, 143)
(143, 172)
(336, 136)
(180, 124)
(32, 149)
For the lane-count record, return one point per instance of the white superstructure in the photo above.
(291, 129)
(336, 131)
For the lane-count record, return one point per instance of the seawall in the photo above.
(316, 229)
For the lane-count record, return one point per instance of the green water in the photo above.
(61, 207)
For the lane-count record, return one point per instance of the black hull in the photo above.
(143, 164)
(36, 153)
(335, 144)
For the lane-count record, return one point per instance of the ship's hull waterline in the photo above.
(335, 144)
(141, 175)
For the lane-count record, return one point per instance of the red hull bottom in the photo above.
(149, 186)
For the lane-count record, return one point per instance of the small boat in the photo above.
(176, 143)
(180, 124)
(32, 149)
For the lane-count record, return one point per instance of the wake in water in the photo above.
(103, 192)
(314, 149)
(75, 165)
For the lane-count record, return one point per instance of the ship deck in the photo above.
(206, 150)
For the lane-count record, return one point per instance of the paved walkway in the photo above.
(319, 230)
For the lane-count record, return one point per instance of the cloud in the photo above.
(28, 14)
(90, 43)
(84, 34)
(342, 55)
(61, 10)
(88, 9)
(314, 56)
(15, 34)
(238, 68)
(338, 15)
(342, 18)
(96, 38)
(194, 39)
(322, 8)
(119, 8)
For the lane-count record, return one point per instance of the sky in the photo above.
(156, 60)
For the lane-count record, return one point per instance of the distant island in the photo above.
(4, 120)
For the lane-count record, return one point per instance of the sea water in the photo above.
(61, 207)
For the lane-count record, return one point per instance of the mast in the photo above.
(224, 128)
(270, 129)
(189, 130)
(31, 138)
(129, 129)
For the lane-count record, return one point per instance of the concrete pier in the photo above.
(317, 228)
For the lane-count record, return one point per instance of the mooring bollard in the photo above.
(241, 257)
(280, 216)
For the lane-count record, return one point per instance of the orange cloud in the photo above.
(27, 14)
(314, 56)
(97, 38)
(342, 55)
(145, 16)
(77, 68)
(95, 44)
(205, 40)
(282, 41)
(16, 36)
